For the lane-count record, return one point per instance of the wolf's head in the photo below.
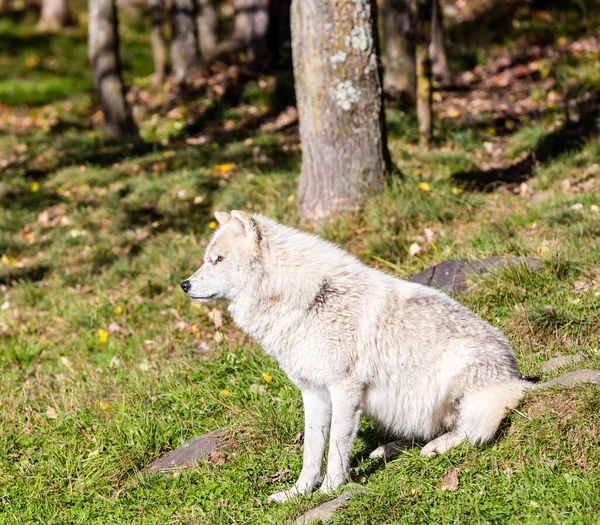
(231, 261)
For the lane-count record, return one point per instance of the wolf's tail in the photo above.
(482, 411)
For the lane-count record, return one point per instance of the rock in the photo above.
(558, 362)
(453, 276)
(188, 455)
(580, 376)
(325, 511)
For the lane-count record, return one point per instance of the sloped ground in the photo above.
(105, 365)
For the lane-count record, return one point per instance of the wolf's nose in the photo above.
(185, 286)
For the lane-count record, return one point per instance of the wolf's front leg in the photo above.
(317, 419)
(345, 404)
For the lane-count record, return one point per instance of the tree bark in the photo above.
(250, 27)
(184, 38)
(423, 63)
(103, 43)
(54, 15)
(207, 22)
(399, 37)
(158, 41)
(437, 50)
(340, 104)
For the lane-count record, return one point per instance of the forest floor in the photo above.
(106, 365)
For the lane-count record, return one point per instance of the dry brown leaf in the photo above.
(216, 457)
(449, 480)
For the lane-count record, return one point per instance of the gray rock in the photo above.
(558, 362)
(191, 453)
(325, 511)
(451, 276)
(580, 376)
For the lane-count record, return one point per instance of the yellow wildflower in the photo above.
(223, 168)
(224, 392)
(35, 187)
(457, 191)
(102, 335)
(213, 225)
(267, 377)
(118, 310)
(424, 186)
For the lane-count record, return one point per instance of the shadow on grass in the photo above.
(570, 137)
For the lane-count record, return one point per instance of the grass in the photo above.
(105, 365)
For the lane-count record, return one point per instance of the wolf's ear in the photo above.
(222, 217)
(251, 228)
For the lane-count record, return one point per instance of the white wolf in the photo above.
(355, 339)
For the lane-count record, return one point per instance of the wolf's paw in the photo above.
(429, 450)
(282, 496)
(389, 450)
(330, 484)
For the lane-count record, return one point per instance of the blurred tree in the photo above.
(250, 26)
(437, 50)
(399, 38)
(103, 43)
(207, 23)
(185, 55)
(340, 104)
(423, 70)
(157, 38)
(54, 15)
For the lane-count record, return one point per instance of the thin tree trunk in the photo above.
(158, 41)
(184, 38)
(207, 22)
(250, 26)
(437, 50)
(423, 63)
(103, 43)
(399, 37)
(54, 15)
(340, 104)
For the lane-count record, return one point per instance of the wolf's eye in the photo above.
(219, 258)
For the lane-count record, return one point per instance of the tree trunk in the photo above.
(103, 44)
(207, 22)
(423, 63)
(184, 38)
(399, 37)
(157, 39)
(250, 26)
(340, 104)
(53, 16)
(437, 50)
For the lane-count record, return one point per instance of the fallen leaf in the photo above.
(51, 413)
(216, 457)
(104, 405)
(429, 235)
(414, 249)
(449, 480)
(216, 317)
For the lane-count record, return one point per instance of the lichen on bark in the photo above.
(338, 90)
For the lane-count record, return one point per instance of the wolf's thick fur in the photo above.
(354, 339)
